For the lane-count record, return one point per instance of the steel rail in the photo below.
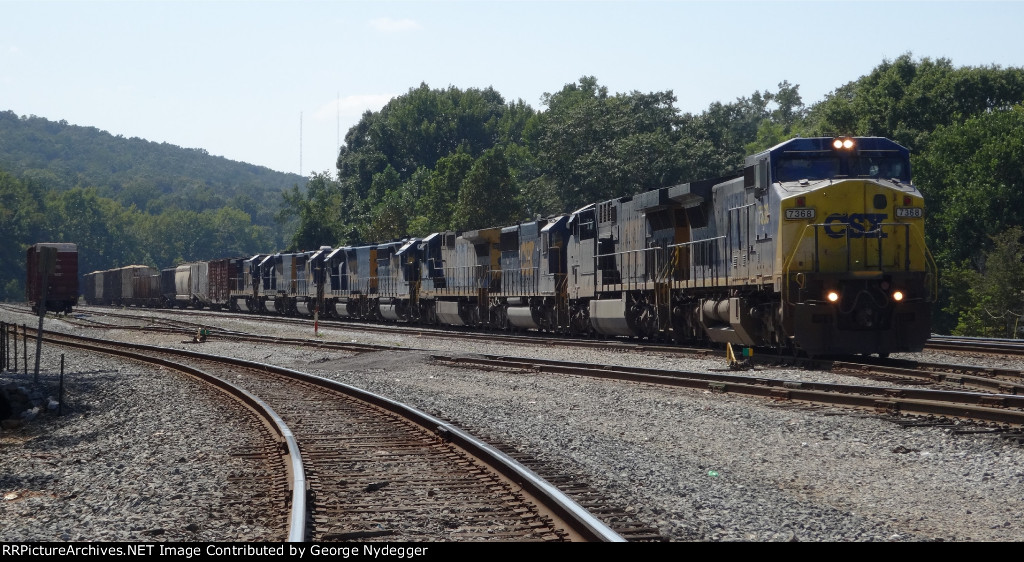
(970, 405)
(298, 520)
(574, 515)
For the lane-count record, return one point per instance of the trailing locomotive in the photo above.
(817, 247)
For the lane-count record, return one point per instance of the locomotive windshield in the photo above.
(826, 166)
(796, 168)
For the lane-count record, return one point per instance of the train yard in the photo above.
(691, 464)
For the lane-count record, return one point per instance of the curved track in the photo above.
(380, 469)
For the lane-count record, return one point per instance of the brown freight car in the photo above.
(224, 277)
(60, 271)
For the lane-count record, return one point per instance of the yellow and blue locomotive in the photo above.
(817, 246)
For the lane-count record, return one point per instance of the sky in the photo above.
(279, 83)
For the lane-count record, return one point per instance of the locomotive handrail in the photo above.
(628, 265)
(931, 270)
(709, 268)
(929, 266)
(513, 280)
(465, 278)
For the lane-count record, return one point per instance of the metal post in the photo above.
(24, 347)
(15, 346)
(60, 389)
(3, 346)
(39, 334)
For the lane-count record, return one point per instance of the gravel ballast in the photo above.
(695, 465)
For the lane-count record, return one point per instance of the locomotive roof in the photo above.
(824, 144)
(61, 246)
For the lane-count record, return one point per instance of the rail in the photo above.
(701, 258)
(633, 268)
(695, 261)
(524, 281)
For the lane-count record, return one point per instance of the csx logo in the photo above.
(857, 225)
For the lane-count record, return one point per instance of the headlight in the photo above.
(832, 296)
(842, 143)
(897, 296)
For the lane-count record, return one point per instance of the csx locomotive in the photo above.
(816, 247)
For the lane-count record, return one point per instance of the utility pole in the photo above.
(47, 266)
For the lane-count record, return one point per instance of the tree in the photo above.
(20, 217)
(488, 195)
(782, 123)
(905, 100)
(101, 227)
(388, 210)
(441, 192)
(593, 146)
(973, 177)
(996, 292)
(317, 211)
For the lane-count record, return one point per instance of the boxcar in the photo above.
(168, 288)
(61, 276)
(224, 276)
(145, 287)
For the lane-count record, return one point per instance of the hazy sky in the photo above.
(241, 79)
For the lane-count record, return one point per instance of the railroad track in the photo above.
(371, 467)
(938, 375)
(912, 421)
(448, 332)
(976, 345)
(939, 343)
(987, 379)
(993, 409)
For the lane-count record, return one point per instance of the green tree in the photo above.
(995, 293)
(784, 121)
(905, 99)
(389, 219)
(101, 227)
(441, 191)
(594, 146)
(318, 212)
(488, 195)
(973, 177)
(21, 213)
(387, 209)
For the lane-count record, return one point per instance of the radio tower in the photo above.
(300, 143)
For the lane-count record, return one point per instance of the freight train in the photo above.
(816, 247)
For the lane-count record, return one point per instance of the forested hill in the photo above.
(128, 201)
(132, 171)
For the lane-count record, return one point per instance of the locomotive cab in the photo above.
(855, 273)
